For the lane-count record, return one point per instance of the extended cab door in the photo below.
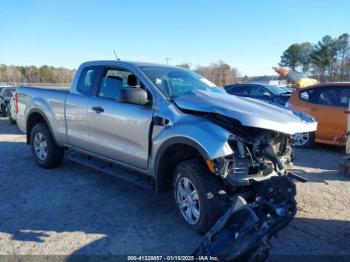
(76, 108)
(119, 131)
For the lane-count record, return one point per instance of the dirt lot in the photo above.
(74, 210)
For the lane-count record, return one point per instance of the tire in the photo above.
(11, 120)
(304, 140)
(49, 154)
(211, 204)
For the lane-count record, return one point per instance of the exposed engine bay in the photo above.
(258, 153)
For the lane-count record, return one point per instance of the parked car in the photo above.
(11, 109)
(5, 95)
(274, 94)
(3, 86)
(172, 129)
(328, 104)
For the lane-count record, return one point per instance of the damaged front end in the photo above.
(243, 232)
(257, 155)
(260, 187)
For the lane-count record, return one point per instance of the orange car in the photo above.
(328, 104)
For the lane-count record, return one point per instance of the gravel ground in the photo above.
(75, 210)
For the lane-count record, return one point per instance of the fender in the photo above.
(209, 139)
(41, 113)
(179, 140)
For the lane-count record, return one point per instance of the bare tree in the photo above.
(219, 73)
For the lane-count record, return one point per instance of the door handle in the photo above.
(98, 109)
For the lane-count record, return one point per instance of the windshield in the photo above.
(277, 90)
(174, 82)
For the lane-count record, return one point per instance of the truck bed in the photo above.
(48, 100)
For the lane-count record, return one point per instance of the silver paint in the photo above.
(122, 132)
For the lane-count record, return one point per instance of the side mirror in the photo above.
(266, 95)
(136, 96)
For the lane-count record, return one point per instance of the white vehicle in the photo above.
(12, 110)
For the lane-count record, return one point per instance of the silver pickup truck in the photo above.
(166, 126)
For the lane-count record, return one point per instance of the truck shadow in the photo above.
(105, 214)
(101, 215)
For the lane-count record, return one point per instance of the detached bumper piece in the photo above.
(243, 232)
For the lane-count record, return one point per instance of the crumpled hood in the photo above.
(249, 112)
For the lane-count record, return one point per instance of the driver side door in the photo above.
(119, 131)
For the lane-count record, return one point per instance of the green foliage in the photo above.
(33, 74)
(328, 60)
(297, 55)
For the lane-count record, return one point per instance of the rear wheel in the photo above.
(304, 139)
(44, 149)
(198, 195)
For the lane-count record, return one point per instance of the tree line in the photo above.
(328, 60)
(33, 74)
(219, 73)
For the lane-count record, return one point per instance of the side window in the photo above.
(86, 81)
(114, 80)
(240, 90)
(331, 96)
(344, 96)
(257, 91)
(328, 96)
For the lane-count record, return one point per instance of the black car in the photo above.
(275, 94)
(5, 97)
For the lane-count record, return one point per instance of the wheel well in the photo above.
(169, 159)
(33, 119)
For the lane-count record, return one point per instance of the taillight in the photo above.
(16, 103)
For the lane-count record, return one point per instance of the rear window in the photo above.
(86, 81)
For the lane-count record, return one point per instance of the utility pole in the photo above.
(167, 59)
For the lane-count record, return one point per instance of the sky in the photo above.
(250, 35)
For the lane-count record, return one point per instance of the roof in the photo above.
(123, 62)
(263, 78)
(333, 84)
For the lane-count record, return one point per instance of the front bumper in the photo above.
(243, 232)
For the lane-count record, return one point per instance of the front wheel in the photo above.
(303, 139)
(199, 195)
(44, 149)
